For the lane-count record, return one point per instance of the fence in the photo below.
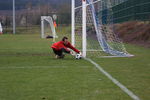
(131, 10)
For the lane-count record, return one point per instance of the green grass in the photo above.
(29, 71)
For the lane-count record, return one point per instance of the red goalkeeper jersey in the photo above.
(59, 45)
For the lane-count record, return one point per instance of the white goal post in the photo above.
(84, 41)
(83, 26)
(1, 29)
(49, 20)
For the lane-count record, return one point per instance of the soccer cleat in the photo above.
(62, 56)
(59, 57)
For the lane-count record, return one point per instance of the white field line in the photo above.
(121, 86)
(37, 67)
(32, 67)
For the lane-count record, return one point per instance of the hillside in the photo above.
(135, 32)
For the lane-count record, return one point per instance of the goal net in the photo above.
(101, 38)
(48, 28)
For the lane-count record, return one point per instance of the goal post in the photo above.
(93, 29)
(84, 28)
(47, 27)
(73, 22)
(1, 29)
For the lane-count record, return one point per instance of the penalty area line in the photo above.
(116, 82)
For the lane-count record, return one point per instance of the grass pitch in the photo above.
(29, 71)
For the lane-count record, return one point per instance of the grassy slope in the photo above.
(28, 71)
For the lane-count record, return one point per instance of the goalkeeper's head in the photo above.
(65, 40)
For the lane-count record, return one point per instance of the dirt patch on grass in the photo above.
(135, 32)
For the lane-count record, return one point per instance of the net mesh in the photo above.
(102, 40)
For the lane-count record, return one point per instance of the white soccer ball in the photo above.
(78, 56)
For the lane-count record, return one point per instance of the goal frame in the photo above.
(50, 21)
(103, 43)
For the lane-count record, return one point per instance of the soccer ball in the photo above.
(78, 56)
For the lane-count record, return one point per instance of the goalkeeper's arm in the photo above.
(73, 48)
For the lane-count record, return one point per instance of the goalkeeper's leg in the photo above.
(59, 53)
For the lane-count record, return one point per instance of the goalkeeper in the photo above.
(62, 46)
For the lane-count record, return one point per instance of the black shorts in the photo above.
(60, 52)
